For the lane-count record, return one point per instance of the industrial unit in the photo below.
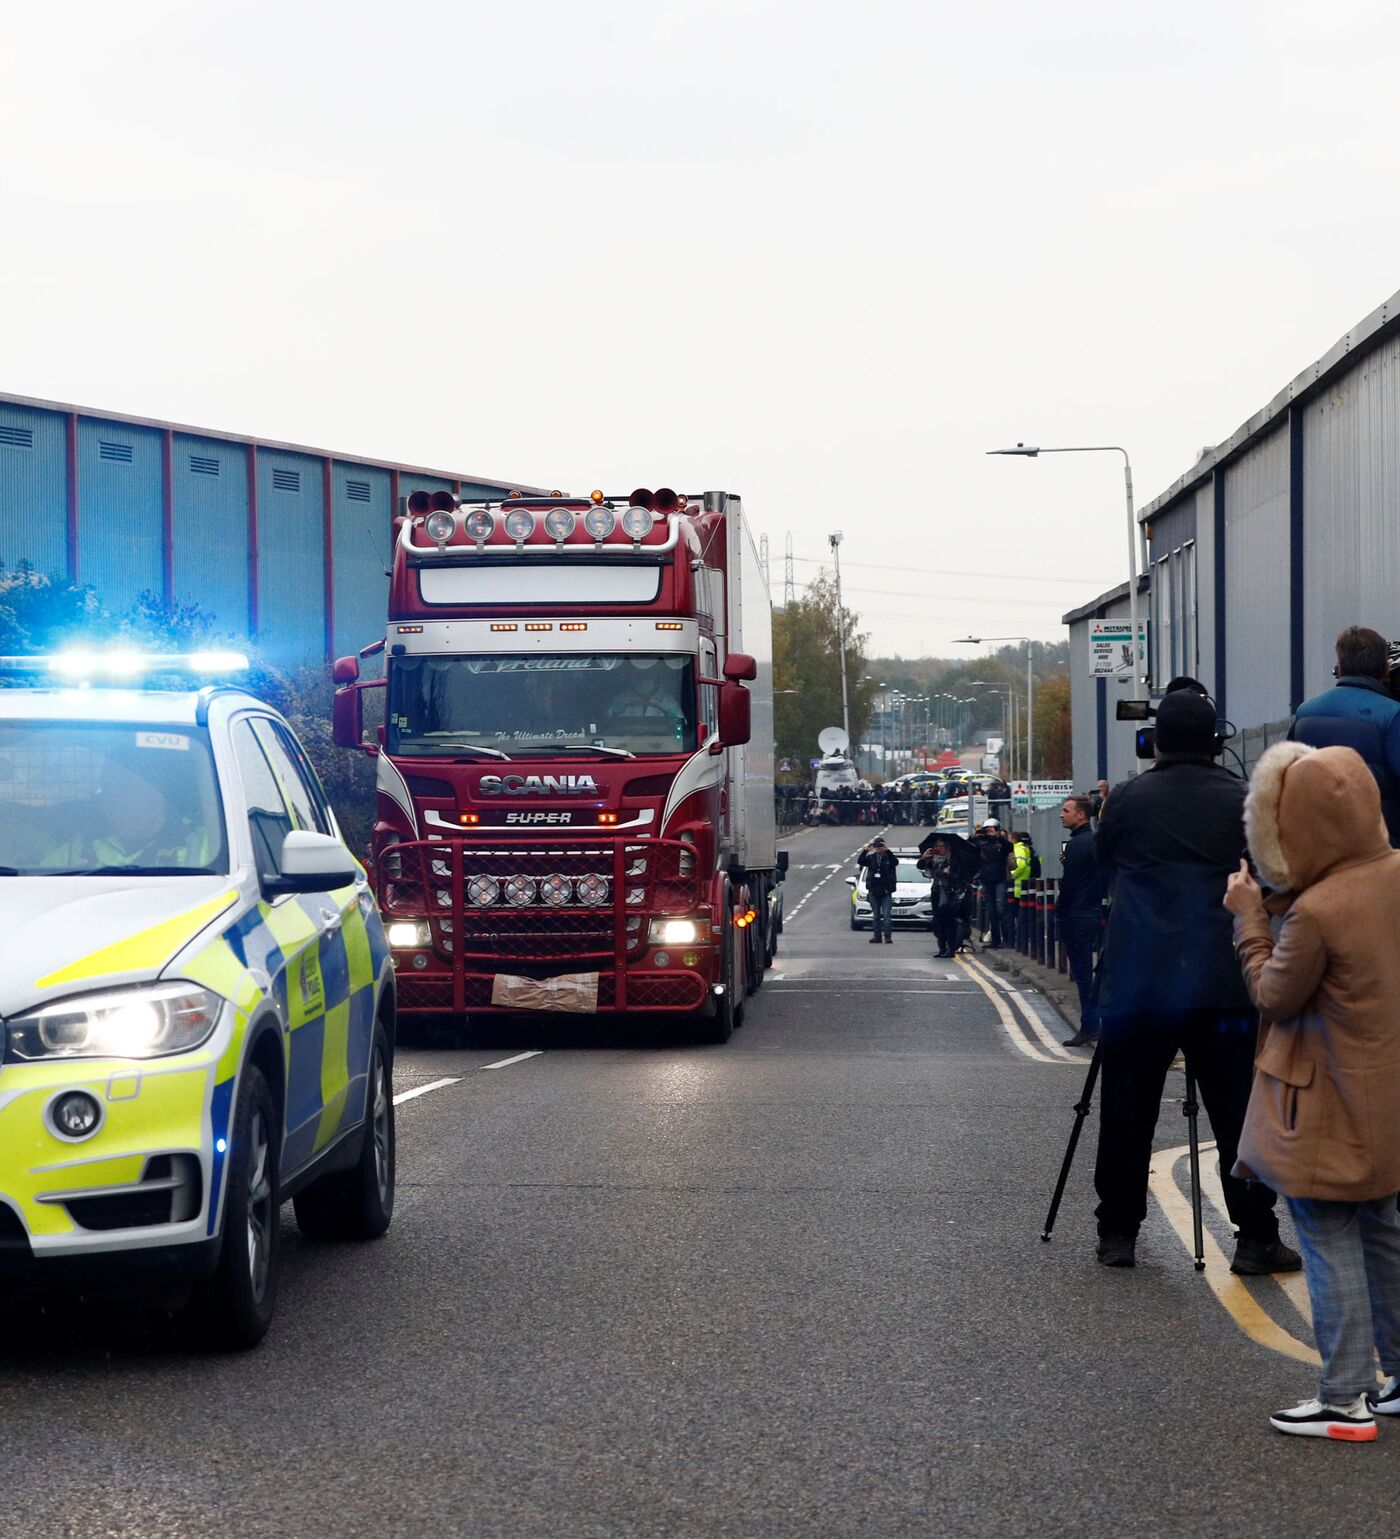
(1269, 545)
(287, 546)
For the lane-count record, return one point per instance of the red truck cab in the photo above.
(575, 773)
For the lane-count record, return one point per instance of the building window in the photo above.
(119, 454)
(286, 480)
(203, 465)
(357, 491)
(16, 437)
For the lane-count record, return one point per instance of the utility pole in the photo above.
(789, 581)
(835, 543)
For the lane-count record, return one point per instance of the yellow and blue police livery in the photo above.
(196, 995)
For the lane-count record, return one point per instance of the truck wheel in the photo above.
(724, 1012)
(233, 1309)
(358, 1203)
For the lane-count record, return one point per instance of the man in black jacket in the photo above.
(1168, 980)
(992, 850)
(1079, 911)
(881, 866)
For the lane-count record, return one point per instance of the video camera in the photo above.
(1145, 742)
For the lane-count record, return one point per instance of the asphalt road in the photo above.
(788, 1286)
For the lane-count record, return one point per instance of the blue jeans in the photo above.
(1351, 1255)
(881, 907)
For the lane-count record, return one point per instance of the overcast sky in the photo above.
(821, 254)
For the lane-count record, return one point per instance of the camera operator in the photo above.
(882, 877)
(1168, 980)
(1359, 712)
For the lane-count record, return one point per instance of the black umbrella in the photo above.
(965, 860)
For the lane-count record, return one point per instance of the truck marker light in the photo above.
(510, 627)
(607, 818)
(573, 625)
(670, 625)
(595, 496)
(539, 625)
(410, 630)
(469, 819)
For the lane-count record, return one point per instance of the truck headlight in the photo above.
(678, 932)
(145, 1022)
(405, 934)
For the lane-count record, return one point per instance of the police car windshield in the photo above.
(100, 798)
(536, 705)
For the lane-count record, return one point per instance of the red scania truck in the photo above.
(575, 771)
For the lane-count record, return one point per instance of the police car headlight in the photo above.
(678, 932)
(125, 1023)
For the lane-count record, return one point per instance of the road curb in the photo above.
(1054, 986)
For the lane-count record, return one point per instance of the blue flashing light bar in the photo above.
(81, 663)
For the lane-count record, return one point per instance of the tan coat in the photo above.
(1324, 1113)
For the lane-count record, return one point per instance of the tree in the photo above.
(1053, 753)
(807, 672)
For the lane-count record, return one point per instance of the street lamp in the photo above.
(976, 641)
(1030, 451)
(834, 540)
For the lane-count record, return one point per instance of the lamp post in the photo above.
(1030, 451)
(976, 641)
(834, 540)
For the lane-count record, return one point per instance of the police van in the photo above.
(196, 997)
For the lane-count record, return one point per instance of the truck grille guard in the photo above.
(499, 906)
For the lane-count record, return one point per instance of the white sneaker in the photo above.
(1385, 1401)
(1351, 1423)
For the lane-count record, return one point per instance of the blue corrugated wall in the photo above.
(120, 533)
(291, 584)
(361, 554)
(120, 543)
(33, 488)
(209, 478)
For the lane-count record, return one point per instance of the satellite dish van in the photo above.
(836, 769)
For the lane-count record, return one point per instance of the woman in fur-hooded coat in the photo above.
(1324, 1114)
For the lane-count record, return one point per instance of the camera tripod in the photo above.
(1190, 1110)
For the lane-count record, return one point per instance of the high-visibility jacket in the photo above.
(1020, 866)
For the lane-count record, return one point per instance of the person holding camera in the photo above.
(881, 866)
(1168, 980)
(1359, 712)
(1323, 1125)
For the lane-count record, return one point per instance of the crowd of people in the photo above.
(917, 804)
(1251, 930)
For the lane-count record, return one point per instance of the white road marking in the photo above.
(519, 1058)
(436, 1084)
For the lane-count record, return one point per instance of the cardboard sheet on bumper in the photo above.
(574, 993)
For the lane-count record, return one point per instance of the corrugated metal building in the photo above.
(1267, 547)
(283, 544)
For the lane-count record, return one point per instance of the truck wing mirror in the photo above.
(734, 714)
(346, 670)
(739, 665)
(347, 715)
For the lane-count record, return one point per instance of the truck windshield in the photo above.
(530, 705)
(93, 799)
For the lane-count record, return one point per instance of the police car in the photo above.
(195, 991)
